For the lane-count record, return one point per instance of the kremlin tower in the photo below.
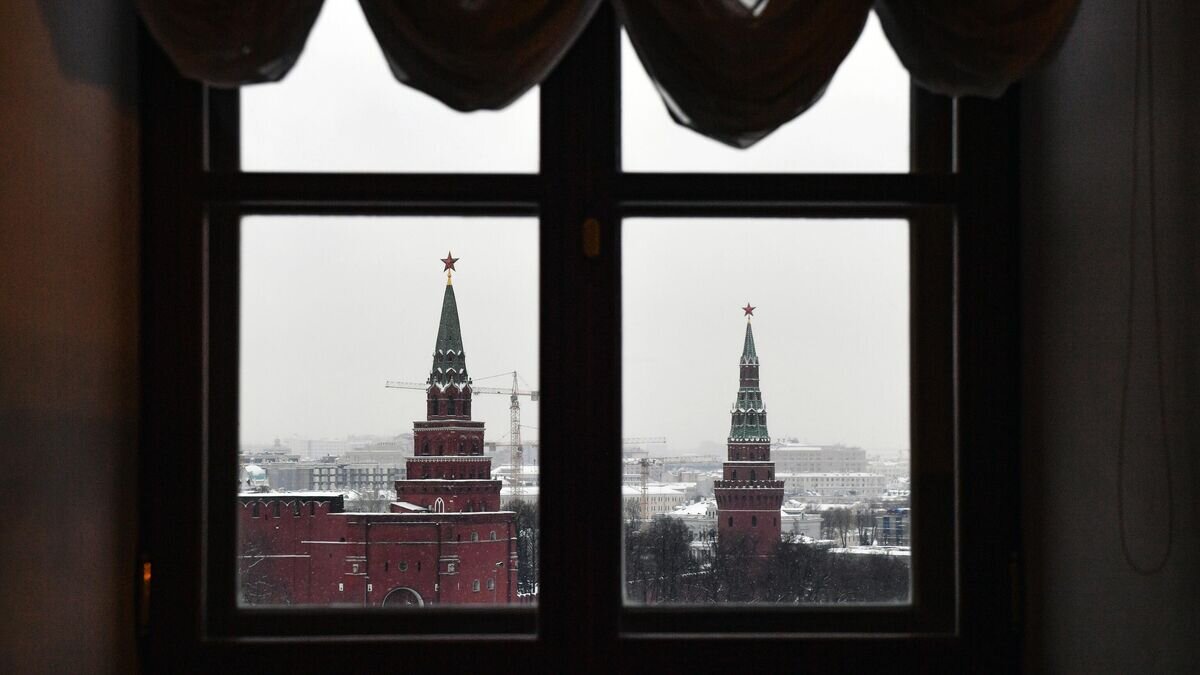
(448, 472)
(748, 496)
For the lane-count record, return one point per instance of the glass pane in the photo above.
(340, 109)
(807, 320)
(860, 125)
(354, 493)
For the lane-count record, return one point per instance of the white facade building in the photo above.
(809, 485)
(797, 458)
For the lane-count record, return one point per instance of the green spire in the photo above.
(748, 353)
(749, 415)
(449, 361)
(449, 338)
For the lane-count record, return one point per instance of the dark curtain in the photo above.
(733, 70)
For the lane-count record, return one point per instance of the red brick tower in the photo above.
(449, 484)
(748, 496)
(448, 472)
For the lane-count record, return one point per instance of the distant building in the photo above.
(814, 486)
(796, 458)
(660, 499)
(894, 470)
(894, 527)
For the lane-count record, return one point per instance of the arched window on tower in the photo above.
(460, 447)
(733, 475)
(467, 405)
(450, 406)
(753, 476)
(432, 406)
(441, 448)
(438, 505)
(753, 521)
(731, 521)
(425, 448)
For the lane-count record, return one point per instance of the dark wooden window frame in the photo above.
(960, 201)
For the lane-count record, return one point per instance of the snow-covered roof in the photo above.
(303, 494)
(409, 506)
(526, 491)
(903, 551)
(704, 508)
(829, 474)
(663, 490)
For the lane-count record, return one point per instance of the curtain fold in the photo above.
(975, 48)
(733, 70)
(475, 54)
(228, 43)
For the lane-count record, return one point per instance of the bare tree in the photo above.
(525, 522)
(259, 581)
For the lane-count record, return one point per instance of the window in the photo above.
(956, 203)
(475, 586)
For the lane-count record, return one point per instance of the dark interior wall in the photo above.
(1088, 611)
(68, 336)
(68, 331)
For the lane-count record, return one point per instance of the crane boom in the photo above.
(475, 391)
(514, 419)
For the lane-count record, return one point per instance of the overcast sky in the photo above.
(333, 306)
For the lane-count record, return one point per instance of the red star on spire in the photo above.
(449, 261)
(749, 310)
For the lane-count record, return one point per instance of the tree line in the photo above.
(661, 565)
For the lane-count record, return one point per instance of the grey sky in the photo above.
(333, 307)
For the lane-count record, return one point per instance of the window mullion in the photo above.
(580, 347)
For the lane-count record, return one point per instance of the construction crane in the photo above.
(514, 417)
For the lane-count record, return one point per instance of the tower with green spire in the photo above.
(748, 496)
(448, 444)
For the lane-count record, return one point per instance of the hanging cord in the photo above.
(1143, 7)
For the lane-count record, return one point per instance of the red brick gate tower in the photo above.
(448, 444)
(748, 496)
(449, 480)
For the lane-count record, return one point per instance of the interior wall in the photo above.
(68, 336)
(1088, 610)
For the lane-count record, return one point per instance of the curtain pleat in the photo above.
(475, 54)
(228, 43)
(975, 48)
(734, 71)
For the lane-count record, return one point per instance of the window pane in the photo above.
(330, 459)
(784, 475)
(340, 109)
(860, 125)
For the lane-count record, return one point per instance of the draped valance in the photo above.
(733, 70)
